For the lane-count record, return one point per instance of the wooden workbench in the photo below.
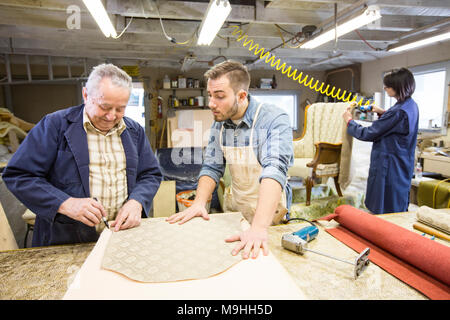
(45, 273)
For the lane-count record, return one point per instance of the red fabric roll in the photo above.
(424, 254)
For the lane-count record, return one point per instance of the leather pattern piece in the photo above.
(157, 251)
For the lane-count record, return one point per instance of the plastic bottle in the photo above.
(418, 172)
(166, 82)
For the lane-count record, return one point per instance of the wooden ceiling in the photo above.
(40, 29)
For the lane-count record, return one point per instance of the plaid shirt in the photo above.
(107, 167)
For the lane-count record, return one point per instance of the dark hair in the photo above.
(236, 72)
(402, 82)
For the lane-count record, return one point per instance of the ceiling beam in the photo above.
(56, 5)
(401, 22)
(57, 20)
(308, 5)
(80, 39)
(42, 18)
(177, 10)
(61, 5)
(413, 3)
(185, 10)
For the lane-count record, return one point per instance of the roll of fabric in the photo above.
(422, 253)
(436, 218)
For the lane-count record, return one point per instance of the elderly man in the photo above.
(255, 140)
(86, 162)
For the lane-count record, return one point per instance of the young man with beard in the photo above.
(255, 140)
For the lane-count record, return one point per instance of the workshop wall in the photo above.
(2, 98)
(31, 102)
(372, 71)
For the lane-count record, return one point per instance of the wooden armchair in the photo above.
(317, 153)
(326, 154)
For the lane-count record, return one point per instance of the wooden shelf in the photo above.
(182, 89)
(189, 108)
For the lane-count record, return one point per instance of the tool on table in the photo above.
(298, 242)
(103, 218)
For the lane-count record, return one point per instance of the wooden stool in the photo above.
(29, 217)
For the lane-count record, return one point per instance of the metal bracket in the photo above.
(361, 262)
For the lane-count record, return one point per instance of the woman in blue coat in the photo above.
(394, 137)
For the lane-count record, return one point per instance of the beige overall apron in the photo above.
(245, 171)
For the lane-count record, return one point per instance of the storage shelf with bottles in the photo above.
(174, 90)
(185, 102)
(189, 108)
(184, 93)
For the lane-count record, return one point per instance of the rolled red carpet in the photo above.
(422, 253)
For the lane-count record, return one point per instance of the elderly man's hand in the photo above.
(129, 216)
(196, 210)
(85, 210)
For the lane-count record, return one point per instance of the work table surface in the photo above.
(46, 272)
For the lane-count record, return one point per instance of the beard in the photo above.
(228, 115)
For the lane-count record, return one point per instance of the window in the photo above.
(286, 100)
(135, 108)
(430, 95)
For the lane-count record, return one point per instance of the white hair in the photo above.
(118, 77)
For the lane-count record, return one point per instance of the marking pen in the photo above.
(103, 218)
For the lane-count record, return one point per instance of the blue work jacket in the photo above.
(394, 137)
(52, 164)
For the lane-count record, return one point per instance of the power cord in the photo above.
(367, 43)
(301, 219)
(124, 29)
(171, 39)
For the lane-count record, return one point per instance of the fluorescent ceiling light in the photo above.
(100, 16)
(411, 44)
(216, 14)
(369, 15)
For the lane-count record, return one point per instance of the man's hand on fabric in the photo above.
(85, 210)
(250, 242)
(129, 216)
(196, 210)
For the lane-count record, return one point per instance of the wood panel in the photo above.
(164, 200)
(7, 240)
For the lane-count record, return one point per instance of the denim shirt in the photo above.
(272, 144)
